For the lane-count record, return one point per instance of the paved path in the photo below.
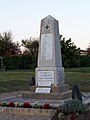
(16, 97)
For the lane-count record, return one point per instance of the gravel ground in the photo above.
(4, 116)
(10, 94)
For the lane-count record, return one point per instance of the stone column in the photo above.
(49, 70)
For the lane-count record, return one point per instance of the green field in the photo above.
(18, 80)
(79, 76)
(15, 80)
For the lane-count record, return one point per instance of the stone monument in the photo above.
(49, 70)
(49, 75)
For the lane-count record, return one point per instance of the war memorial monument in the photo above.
(49, 74)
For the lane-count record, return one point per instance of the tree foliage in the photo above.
(7, 47)
(88, 50)
(31, 46)
(19, 62)
(10, 51)
(70, 53)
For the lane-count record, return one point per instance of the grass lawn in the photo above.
(17, 80)
(79, 76)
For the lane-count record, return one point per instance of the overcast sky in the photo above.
(23, 18)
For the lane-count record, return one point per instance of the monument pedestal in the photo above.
(46, 75)
(60, 92)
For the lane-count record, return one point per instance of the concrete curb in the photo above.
(28, 111)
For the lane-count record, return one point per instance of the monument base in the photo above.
(57, 93)
(46, 75)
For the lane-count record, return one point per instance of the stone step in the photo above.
(51, 96)
(60, 88)
(54, 89)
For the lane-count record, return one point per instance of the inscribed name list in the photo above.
(46, 47)
(45, 77)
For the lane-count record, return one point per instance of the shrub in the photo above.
(18, 104)
(19, 62)
(36, 105)
(73, 106)
(4, 104)
(27, 105)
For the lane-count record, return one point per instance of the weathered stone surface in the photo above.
(54, 89)
(49, 68)
(49, 75)
(28, 111)
(48, 96)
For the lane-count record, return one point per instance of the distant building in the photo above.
(83, 52)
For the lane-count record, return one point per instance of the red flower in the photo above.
(26, 105)
(72, 117)
(46, 106)
(11, 104)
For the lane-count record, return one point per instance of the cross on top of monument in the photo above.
(47, 26)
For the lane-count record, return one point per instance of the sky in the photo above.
(23, 18)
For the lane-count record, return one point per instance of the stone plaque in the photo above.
(44, 84)
(45, 77)
(46, 47)
(42, 90)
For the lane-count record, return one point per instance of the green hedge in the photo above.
(30, 62)
(79, 61)
(20, 62)
(85, 61)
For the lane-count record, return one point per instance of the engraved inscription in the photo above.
(46, 47)
(42, 90)
(46, 77)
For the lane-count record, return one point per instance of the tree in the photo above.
(70, 53)
(31, 46)
(88, 50)
(7, 47)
